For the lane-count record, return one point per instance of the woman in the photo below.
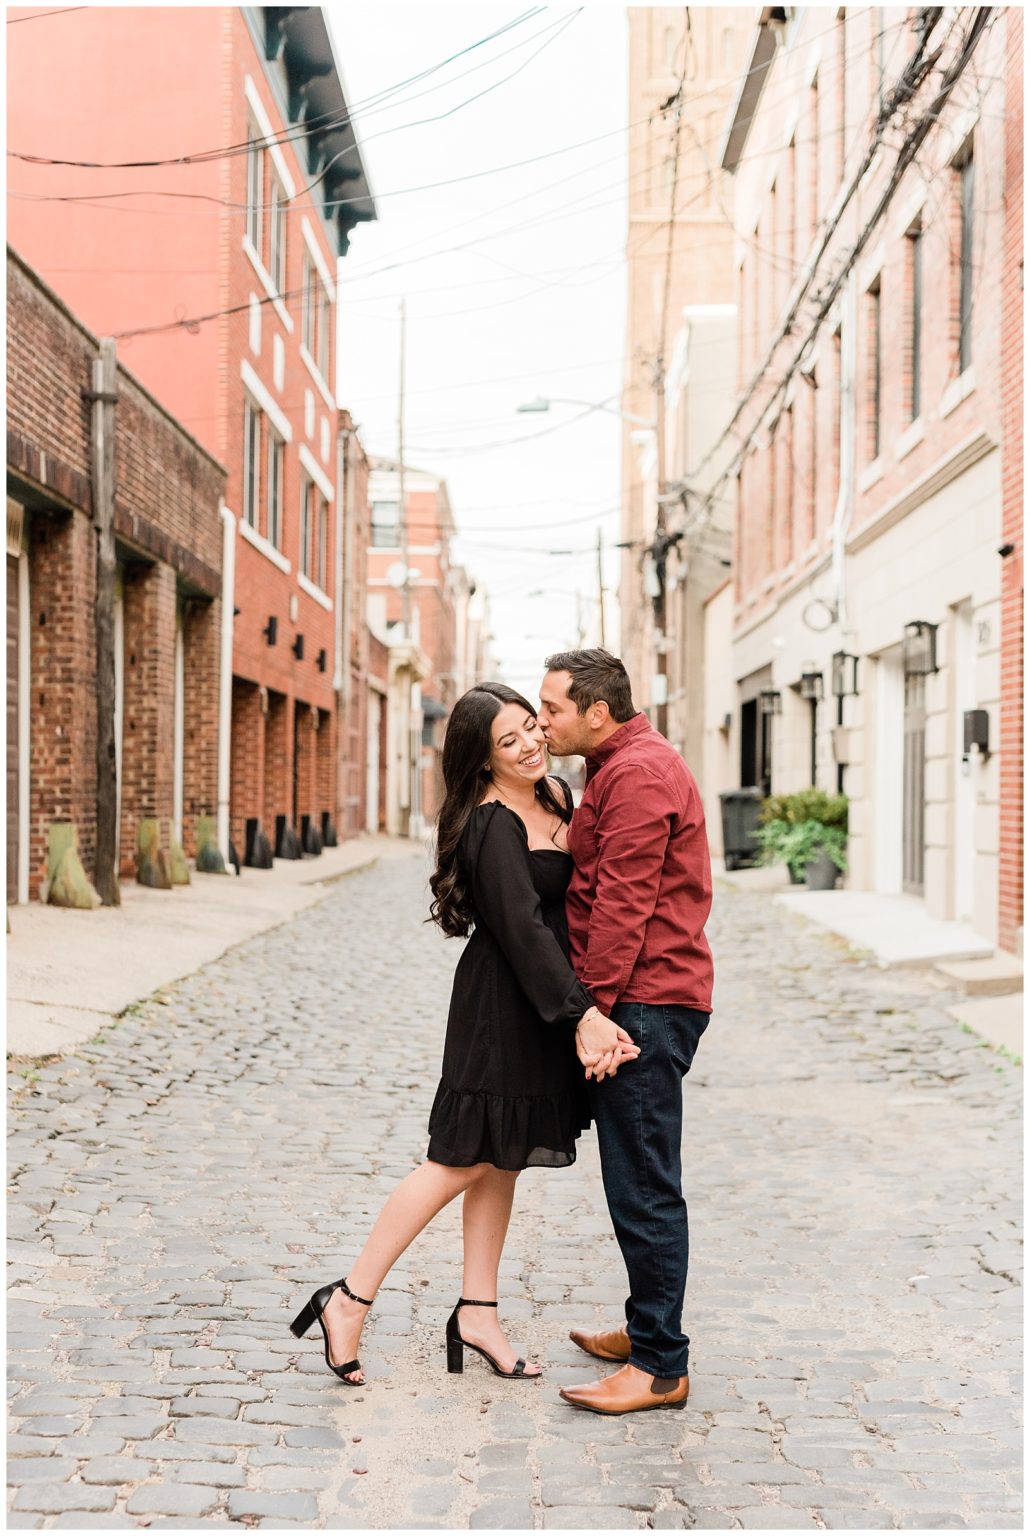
(512, 1094)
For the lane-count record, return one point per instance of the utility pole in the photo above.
(403, 510)
(104, 397)
(600, 584)
(660, 548)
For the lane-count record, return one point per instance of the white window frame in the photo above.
(275, 462)
(307, 496)
(277, 233)
(251, 481)
(255, 193)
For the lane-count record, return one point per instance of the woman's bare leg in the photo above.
(486, 1211)
(411, 1206)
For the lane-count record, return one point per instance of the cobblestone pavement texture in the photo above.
(852, 1160)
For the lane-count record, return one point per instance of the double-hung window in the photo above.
(251, 462)
(307, 504)
(277, 234)
(276, 476)
(255, 188)
(915, 336)
(965, 305)
(316, 311)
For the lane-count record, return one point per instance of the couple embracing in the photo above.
(580, 997)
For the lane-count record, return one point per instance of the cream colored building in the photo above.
(869, 488)
(679, 267)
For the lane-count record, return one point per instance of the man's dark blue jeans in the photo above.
(639, 1118)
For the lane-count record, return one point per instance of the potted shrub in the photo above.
(808, 832)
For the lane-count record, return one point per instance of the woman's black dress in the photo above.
(512, 1091)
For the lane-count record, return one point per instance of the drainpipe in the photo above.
(225, 675)
(844, 510)
(341, 660)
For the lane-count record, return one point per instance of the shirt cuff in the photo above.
(605, 999)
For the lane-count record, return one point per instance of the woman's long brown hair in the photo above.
(467, 747)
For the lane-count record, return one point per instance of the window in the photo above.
(874, 343)
(251, 462)
(915, 337)
(255, 188)
(322, 546)
(386, 524)
(965, 305)
(276, 474)
(316, 310)
(307, 502)
(277, 235)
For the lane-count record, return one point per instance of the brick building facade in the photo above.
(867, 441)
(434, 582)
(246, 238)
(167, 613)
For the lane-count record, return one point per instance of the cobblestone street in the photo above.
(852, 1162)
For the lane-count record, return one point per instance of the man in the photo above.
(637, 904)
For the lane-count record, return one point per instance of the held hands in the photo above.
(602, 1045)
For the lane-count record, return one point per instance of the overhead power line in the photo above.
(914, 76)
(318, 124)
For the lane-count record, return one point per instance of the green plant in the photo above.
(795, 829)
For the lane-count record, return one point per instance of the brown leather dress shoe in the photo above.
(603, 1346)
(629, 1390)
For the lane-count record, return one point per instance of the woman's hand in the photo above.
(602, 1045)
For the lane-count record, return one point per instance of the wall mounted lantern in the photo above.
(298, 647)
(811, 681)
(770, 702)
(320, 660)
(920, 648)
(845, 675)
(271, 630)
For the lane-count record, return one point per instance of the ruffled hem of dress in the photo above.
(509, 1133)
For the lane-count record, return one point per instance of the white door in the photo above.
(372, 762)
(964, 808)
(888, 782)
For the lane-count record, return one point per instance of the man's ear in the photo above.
(599, 714)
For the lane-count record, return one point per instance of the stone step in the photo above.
(1000, 975)
(999, 1020)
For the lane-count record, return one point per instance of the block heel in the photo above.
(312, 1313)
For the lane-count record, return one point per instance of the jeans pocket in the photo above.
(684, 1028)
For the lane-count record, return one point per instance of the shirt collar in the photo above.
(627, 732)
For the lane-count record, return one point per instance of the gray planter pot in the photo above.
(821, 873)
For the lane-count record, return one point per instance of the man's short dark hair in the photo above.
(597, 677)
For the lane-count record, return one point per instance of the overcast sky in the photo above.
(535, 306)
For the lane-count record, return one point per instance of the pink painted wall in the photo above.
(133, 84)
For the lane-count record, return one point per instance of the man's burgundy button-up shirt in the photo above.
(641, 889)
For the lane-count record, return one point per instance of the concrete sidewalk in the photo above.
(69, 973)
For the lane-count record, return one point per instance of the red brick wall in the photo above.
(168, 529)
(1010, 896)
(201, 643)
(247, 770)
(63, 724)
(147, 737)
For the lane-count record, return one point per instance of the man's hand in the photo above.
(602, 1045)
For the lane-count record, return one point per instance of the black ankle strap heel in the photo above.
(456, 1346)
(312, 1313)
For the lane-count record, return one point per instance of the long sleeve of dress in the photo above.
(505, 901)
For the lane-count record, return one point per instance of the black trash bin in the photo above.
(740, 808)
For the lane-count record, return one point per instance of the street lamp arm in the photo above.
(541, 404)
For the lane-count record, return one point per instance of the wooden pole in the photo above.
(104, 397)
